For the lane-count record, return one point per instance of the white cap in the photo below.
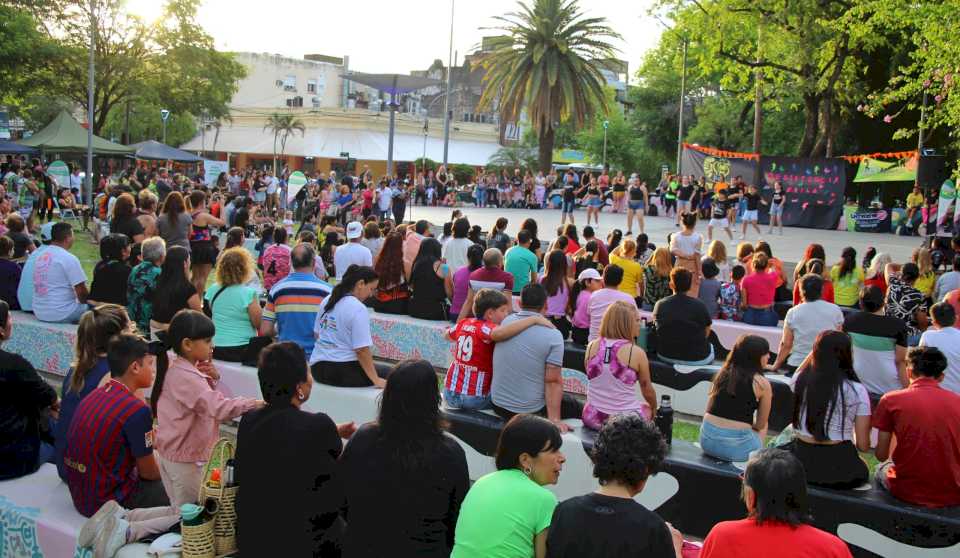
(589, 273)
(354, 230)
(46, 232)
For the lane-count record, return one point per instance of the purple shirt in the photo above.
(581, 314)
(461, 287)
(598, 305)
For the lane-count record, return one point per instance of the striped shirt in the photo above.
(293, 303)
(110, 430)
(471, 371)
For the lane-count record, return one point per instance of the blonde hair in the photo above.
(921, 257)
(627, 246)
(744, 249)
(94, 331)
(235, 267)
(718, 251)
(878, 265)
(619, 321)
(660, 260)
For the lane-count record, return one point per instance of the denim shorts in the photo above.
(728, 444)
(595, 202)
(467, 402)
(568, 206)
(635, 205)
(776, 210)
(755, 316)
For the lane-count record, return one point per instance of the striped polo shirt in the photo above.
(293, 303)
(110, 429)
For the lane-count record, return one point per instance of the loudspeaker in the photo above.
(932, 171)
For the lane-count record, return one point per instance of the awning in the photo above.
(12, 148)
(65, 135)
(367, 145)
(151, 150)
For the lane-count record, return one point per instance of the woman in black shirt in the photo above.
(290, 499)
(111, 272)
(174, 291)
(430, 283)
(404, 478)
(125, 220)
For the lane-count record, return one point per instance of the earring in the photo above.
(527, 471)
(300, 396)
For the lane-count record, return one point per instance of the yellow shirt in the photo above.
(914, 200)
(632, 274)
(846, 291)
(925, 283)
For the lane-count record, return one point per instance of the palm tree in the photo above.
(283, 126)
(548, 63)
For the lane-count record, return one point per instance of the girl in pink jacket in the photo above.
(187, 406)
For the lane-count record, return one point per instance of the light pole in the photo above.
(606, 124)
(89, 178)
(446, 103)
(683, 91)
(164, 115)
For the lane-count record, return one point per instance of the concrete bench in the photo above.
(729, 331)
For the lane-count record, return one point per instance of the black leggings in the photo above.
(346, 374)
(230, 354)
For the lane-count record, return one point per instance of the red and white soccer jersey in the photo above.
(471, 371)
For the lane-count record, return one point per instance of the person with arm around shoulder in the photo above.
(528, 458)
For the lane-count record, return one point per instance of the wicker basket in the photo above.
(225, 520)
(197, 540)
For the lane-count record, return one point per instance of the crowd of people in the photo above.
(865, 343)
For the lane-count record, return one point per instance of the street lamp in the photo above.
(164, 115)
(606, 124)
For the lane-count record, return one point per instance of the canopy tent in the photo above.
(65, 135)
(12, 148)
(875, 170)
(151, 150)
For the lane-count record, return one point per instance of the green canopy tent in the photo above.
(65, 135)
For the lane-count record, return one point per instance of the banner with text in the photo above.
(814, 189)
(212, 169)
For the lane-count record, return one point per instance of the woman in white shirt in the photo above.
(342, 353)
(687, 247)
(831, 415)
(455, 249)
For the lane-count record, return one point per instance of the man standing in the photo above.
(273, 189)
(233, 182)
(945, 336)
(805, 322)
(352, 252)
(292, 303)
(59, 282)
(384, 200)
(521, 262)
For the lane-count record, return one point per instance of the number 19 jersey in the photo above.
(471, 371)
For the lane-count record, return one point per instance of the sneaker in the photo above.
(93, 526)
(111, 538)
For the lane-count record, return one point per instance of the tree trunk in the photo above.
(545, 149)
(825, 127)
(811, 114)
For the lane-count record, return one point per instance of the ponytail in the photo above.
(186, 324)
(574, 295)
(355, 273)
(94, 331)
(848, 261)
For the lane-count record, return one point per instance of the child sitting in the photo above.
(467, 385)
(288, 223)
(111, 272)
(188, 408)
(710, 287)
(276, 259)
(730, 295)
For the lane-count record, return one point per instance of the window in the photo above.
(295, 102)
(311, 86)
(290, 83)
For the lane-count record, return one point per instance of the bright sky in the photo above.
(386, 35)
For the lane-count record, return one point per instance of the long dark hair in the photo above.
(474, 257)
(530, 225)
(741, 365)
(570, 231)
(819, 388)
(173, 206)
(186, 324)
(556, 272)
(172, 279)
(430, 253)
(389, 266)
(355, 273)
(409, 419)
(848, 261)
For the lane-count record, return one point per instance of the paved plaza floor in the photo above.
(788, 247)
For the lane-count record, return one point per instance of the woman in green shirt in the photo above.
(847, 278)
(507, 514)
(234, 306)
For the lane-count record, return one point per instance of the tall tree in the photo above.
(547, 63)
(282, 126)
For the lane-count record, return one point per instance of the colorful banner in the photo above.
(814, 189)
(295, 183)
(722, 153)
(714, 168)
(873, 170)
(60, 172)
(948, 194)
(212, 169)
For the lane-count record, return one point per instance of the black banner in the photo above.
(814, 189)
(716, 169)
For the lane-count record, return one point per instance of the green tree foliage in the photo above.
(547, 64)
(283, 126)
(25, 54)
(145, 124)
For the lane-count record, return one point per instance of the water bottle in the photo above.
(642, 336)
(664, 419)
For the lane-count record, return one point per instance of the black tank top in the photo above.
(739, 407)
(636, 194)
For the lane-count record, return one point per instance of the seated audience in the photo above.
(293, 303)
(188, 408)
(403, 476)
(393, 294)
(847, 278)
(945, 336)
(803, 324)
(17, 232)
(588, 282)
(831, 414)
(616, 367)
(111, 273)
(372, 238)
(775, 266)
(10, 273)
(757, 292)
(817, 267)
(558, 284)
(26, 405)
(521, 263)
(341, 351)
(142, 283)
(879, 345)
(924, 469)
(124, 221)
(528, 458)
(174, 291)
(907, 303)
(609, 522)
(656, 278)
(610, 293)
(709, 293)
(461, 280)
(90, 368)
(949, 281)
(624, 256)
(738, 407)
(490, 276)
(276, 259)
(234, 306)
(603, 256)
(775, 494)
(467, 382)
(59, 282)
(683, 324)
(526, 367)
(430, 283)
(731, 307)
(111, 471)
(926, 278)
(301, 506)
(411, 244)
(876, 273)
(352, 253)
(455, 248)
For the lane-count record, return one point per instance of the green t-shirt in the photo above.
(230, 315)
(846, 291)
(501, 515)
(520, 262)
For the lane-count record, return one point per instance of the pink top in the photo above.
(276, 264)
(581, 314)
(190, 411)
(612, 387)
(760, 288)
(557, 304)
(461, 289)
(598, 305)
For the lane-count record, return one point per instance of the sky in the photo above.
(387, 36)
